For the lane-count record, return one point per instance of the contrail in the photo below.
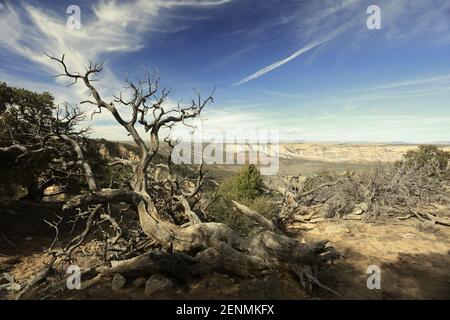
(277, 64)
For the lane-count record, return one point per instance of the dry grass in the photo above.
(427, 227)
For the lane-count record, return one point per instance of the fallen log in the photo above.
(255, 216)
(174, 264)
(215, 246)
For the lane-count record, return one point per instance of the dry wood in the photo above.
(255, 216)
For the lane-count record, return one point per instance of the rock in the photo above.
(139, 282)
(158, 283)
(359, 208)
(118, 282)
(316, 231)
(335, 228)
(7, 282)
(409, 236)
(303, 226)
(352, 217)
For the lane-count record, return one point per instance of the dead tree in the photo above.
(155, 196)
(305, 200)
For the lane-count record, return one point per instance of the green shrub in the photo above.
(264, 206)
(426, 156)
(246, 188)
(20, 112)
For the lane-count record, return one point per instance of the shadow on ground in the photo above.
(411, 276)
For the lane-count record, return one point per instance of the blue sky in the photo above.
(311, 69)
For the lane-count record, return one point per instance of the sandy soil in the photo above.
(414, 264)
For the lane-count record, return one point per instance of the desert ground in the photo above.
(414, 260)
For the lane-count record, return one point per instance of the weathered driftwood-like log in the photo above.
(173, 264)
(266, 251)
(103, 196)
(255, 216)
(223, 257)
(192, 216)
(426, 216)
(217, 247)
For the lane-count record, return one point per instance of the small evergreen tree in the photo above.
(427, 154)
(427, 158)
(27, 119)
(246, 188)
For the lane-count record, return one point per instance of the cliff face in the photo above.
(346, 152)
(110, 149)
(327, 152)
(353, 153)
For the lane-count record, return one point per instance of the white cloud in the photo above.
(62, 93)
(115, 27)
(402, 89)
(110, 27)
(411, 19)
(402, 21)
(279, 63)
(443, 79)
